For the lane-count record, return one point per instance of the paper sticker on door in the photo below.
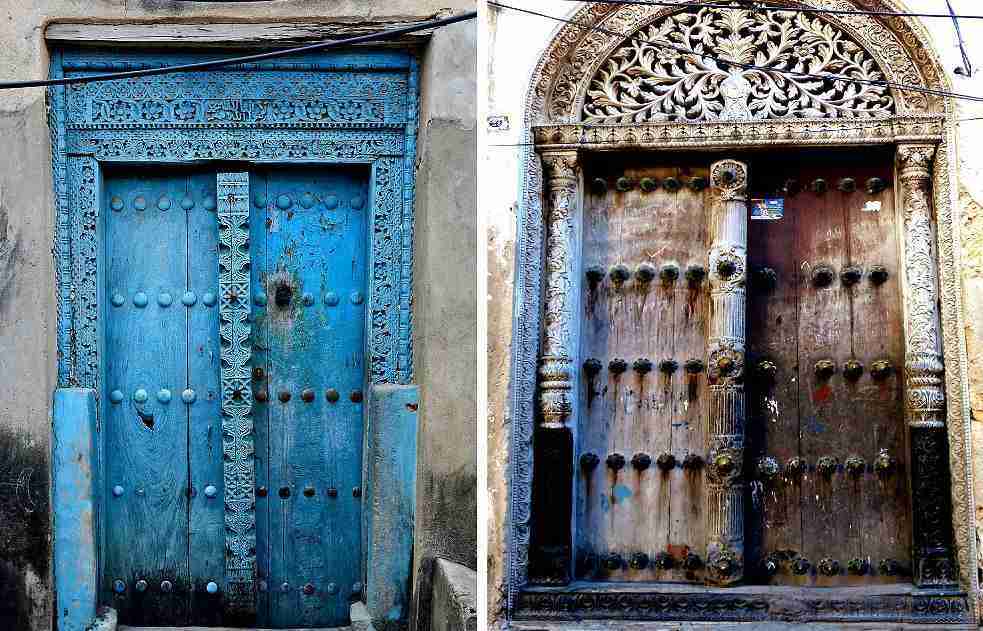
(767, 209)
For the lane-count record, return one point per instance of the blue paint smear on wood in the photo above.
(73, 493)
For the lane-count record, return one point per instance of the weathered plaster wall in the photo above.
(515, 43)
(27, 294)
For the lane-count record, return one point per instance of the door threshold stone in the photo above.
(624, 625)
(361, 621)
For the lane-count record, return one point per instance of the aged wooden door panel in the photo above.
(308, 245)
(163, 558)
(825, 345)
(642, 405)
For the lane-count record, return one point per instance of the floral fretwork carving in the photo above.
(733, 64)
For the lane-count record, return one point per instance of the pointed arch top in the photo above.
(643, 64)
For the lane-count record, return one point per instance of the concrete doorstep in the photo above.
(361, 621)
(453, 606)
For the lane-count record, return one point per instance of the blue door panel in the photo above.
(165, 530)
(308, 328)
(157, 402)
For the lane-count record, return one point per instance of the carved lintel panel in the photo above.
(237, 422)
(924, 388)
(725, 372)
(562, 172)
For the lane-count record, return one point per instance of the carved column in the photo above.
(725, 373)
(924, 389)
(551, 536)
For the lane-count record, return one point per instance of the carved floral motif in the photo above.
(662, 73)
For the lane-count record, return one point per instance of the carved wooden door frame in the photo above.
(342, 108)
(573, 109)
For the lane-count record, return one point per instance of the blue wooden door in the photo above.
(308, 244)
(164, 555)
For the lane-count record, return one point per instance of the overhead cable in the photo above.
(218, 63)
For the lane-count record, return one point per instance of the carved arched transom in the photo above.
(676, 69)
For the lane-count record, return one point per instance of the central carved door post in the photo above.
(924, 389)
(725, 373)
(553, 470)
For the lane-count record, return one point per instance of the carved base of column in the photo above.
(934, 563)
(550, 546)
(725, 524)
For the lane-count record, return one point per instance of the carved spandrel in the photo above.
(725, 373)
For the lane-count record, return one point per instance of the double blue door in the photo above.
(164, 520)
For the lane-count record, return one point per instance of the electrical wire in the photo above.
(765, 5)
(824, 77)
(218, 63)
(967, 67)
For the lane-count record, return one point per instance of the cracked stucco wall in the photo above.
(27, 291)
(515, 43)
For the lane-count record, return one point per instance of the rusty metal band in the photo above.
(237, 424)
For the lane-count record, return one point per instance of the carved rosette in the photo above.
(924, 388)
(562, 172)
(725, 371)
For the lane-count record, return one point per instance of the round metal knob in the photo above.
(889, 567)
(648, 184)
(698, 183)
(307, 395)
(617, 366)
(141, 586)
(669, 273)
(826, 466)
(767, 371)
(284, 587)
(331, 395)
(284, 492)
(308, 589)
(801, 567)
(765, 279)
(119, 586)
(189, 396)
(853, 370)
(211, 491)
(283, 396)
(612, 562)
(829, 567)
(796, 467)
(641, 462)
(819, 185)
(694, 366)
(664, 561)
(666, 462)
(592, 367)
(599, 186)
(642, 366)
(615, 462)
(770, 566)
(309, 491)
(847, 185)
(589, 461)
(884, 464)
(855, 466)
(881, 369)
(724, 463)
(624, 184)
(825, 368)
(355, 396)
(851, 275)
(645, 273)
(668, 366)
(595, 274)
(822, 276)
(878, 275)
(639, 561)
(875, 185)
(117, 491)
(695, 274)
(692, 462)
(166, 587)
(261, 492)
(619, 273)
(212, 587)
(768, 468)
(671, 184)
(262, 395)
(140, 396)
(724, 566)
(857, 566)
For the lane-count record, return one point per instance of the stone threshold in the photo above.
(361, 621)
(622, 625)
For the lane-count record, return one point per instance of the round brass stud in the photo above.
(826, 466)
(851, 275)
(829, 567)
(825, 368)
(694, 366)
(624, 184)
(853, 370)
(695, 274)
(615, 462)
(878, 275)
(307, 395)
(881, 370)
(669, 273)
(166, 587)
(664, 561)
(262, 395)
(592, 367)
(356, 396)
(642, 366)
(857, 566)
(855, 466)
(648, 184)
(847, 185)
(822, 275)
(875, 185)
(671, 184)
(639, 561)
(693, 462)
(641, 462)
(595, 274)
(801, 567)
(331, 395)
(589, 461)
(768, 468)
(617, 366)
(645, 273)
(599, 186)
(666, 462)
(612, 562)
(819, 186)
(619, 273)
(692, 562)
(283, 396)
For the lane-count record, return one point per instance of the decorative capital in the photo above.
(915, 162)
(729, 179)
(561, 165)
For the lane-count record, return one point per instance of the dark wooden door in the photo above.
(827, 452)
(642, 405)
(164, 556)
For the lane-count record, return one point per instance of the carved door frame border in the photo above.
(81, 148)
(922, 127)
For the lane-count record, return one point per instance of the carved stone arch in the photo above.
(553, 123)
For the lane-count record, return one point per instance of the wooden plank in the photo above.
(207, 506)
(225, 33)
(147, 435)
(688, 234)
(885, 530)
(824, 334)
(774, 522)
(266, 491)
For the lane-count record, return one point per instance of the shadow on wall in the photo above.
(24, 545)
